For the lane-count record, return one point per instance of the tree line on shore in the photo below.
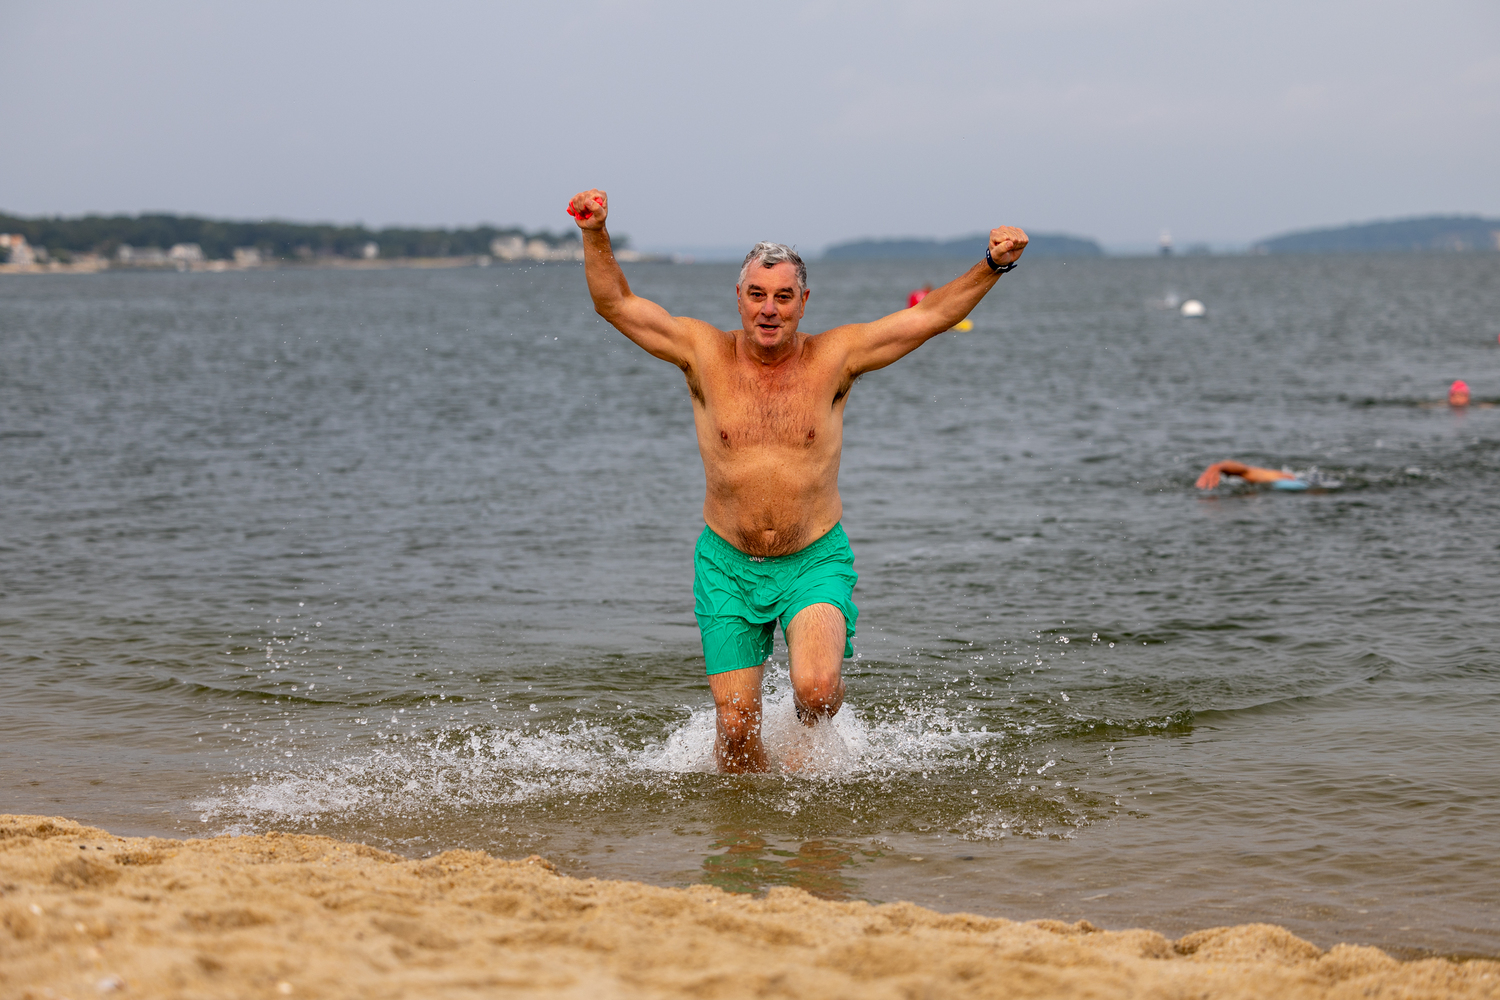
(100, 234)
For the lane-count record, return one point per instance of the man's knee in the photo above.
(817, 638)
(820, 692)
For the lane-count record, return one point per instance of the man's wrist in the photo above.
(999, 268)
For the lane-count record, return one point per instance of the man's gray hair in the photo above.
(771, 254)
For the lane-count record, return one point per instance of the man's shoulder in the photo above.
(825, 355)
(710, 345)
(833, 339)
(704, 329)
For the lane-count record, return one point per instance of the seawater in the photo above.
(405, 557)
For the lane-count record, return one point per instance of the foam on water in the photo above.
(458, 765)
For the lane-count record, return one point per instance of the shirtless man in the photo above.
(768, 405)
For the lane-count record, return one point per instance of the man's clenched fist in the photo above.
(589, 208)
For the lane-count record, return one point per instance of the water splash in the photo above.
(463, 764)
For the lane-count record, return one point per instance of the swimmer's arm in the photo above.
(877, 344)
(1249, 473)
(657, 331)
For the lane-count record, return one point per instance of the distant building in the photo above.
(186, 253)
(508, 247)
(18, 250)
(370, 250)
(538, 249)
(247, 256)
(141, 256)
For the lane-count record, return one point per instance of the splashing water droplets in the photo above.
(415, 769)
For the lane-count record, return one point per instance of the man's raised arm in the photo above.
(643, 321)
(877, 344)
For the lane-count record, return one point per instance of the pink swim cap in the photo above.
(1459, 385)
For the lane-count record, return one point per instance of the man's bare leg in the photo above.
(737, 747)
(815, 644)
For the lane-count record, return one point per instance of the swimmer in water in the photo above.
(1249, 473)
(768, 404)
(1458, 399)
(1312, 479)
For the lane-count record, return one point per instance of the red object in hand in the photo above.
(586, 213)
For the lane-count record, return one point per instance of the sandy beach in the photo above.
(86, 913)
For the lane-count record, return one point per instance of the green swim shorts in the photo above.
(739, 598)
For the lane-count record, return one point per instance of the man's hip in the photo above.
(739, 598)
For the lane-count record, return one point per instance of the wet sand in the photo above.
(84, 913)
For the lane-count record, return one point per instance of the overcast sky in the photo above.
(720, 124)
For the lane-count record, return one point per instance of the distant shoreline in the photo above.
(98, 265)
(89, 244)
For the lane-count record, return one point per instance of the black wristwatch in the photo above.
(999, 268)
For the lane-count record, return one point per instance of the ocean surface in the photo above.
(404, 557)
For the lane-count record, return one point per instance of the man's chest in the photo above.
(802, 408)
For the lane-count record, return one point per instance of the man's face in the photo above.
(771, 304)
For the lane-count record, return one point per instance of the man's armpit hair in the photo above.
(771, 254)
